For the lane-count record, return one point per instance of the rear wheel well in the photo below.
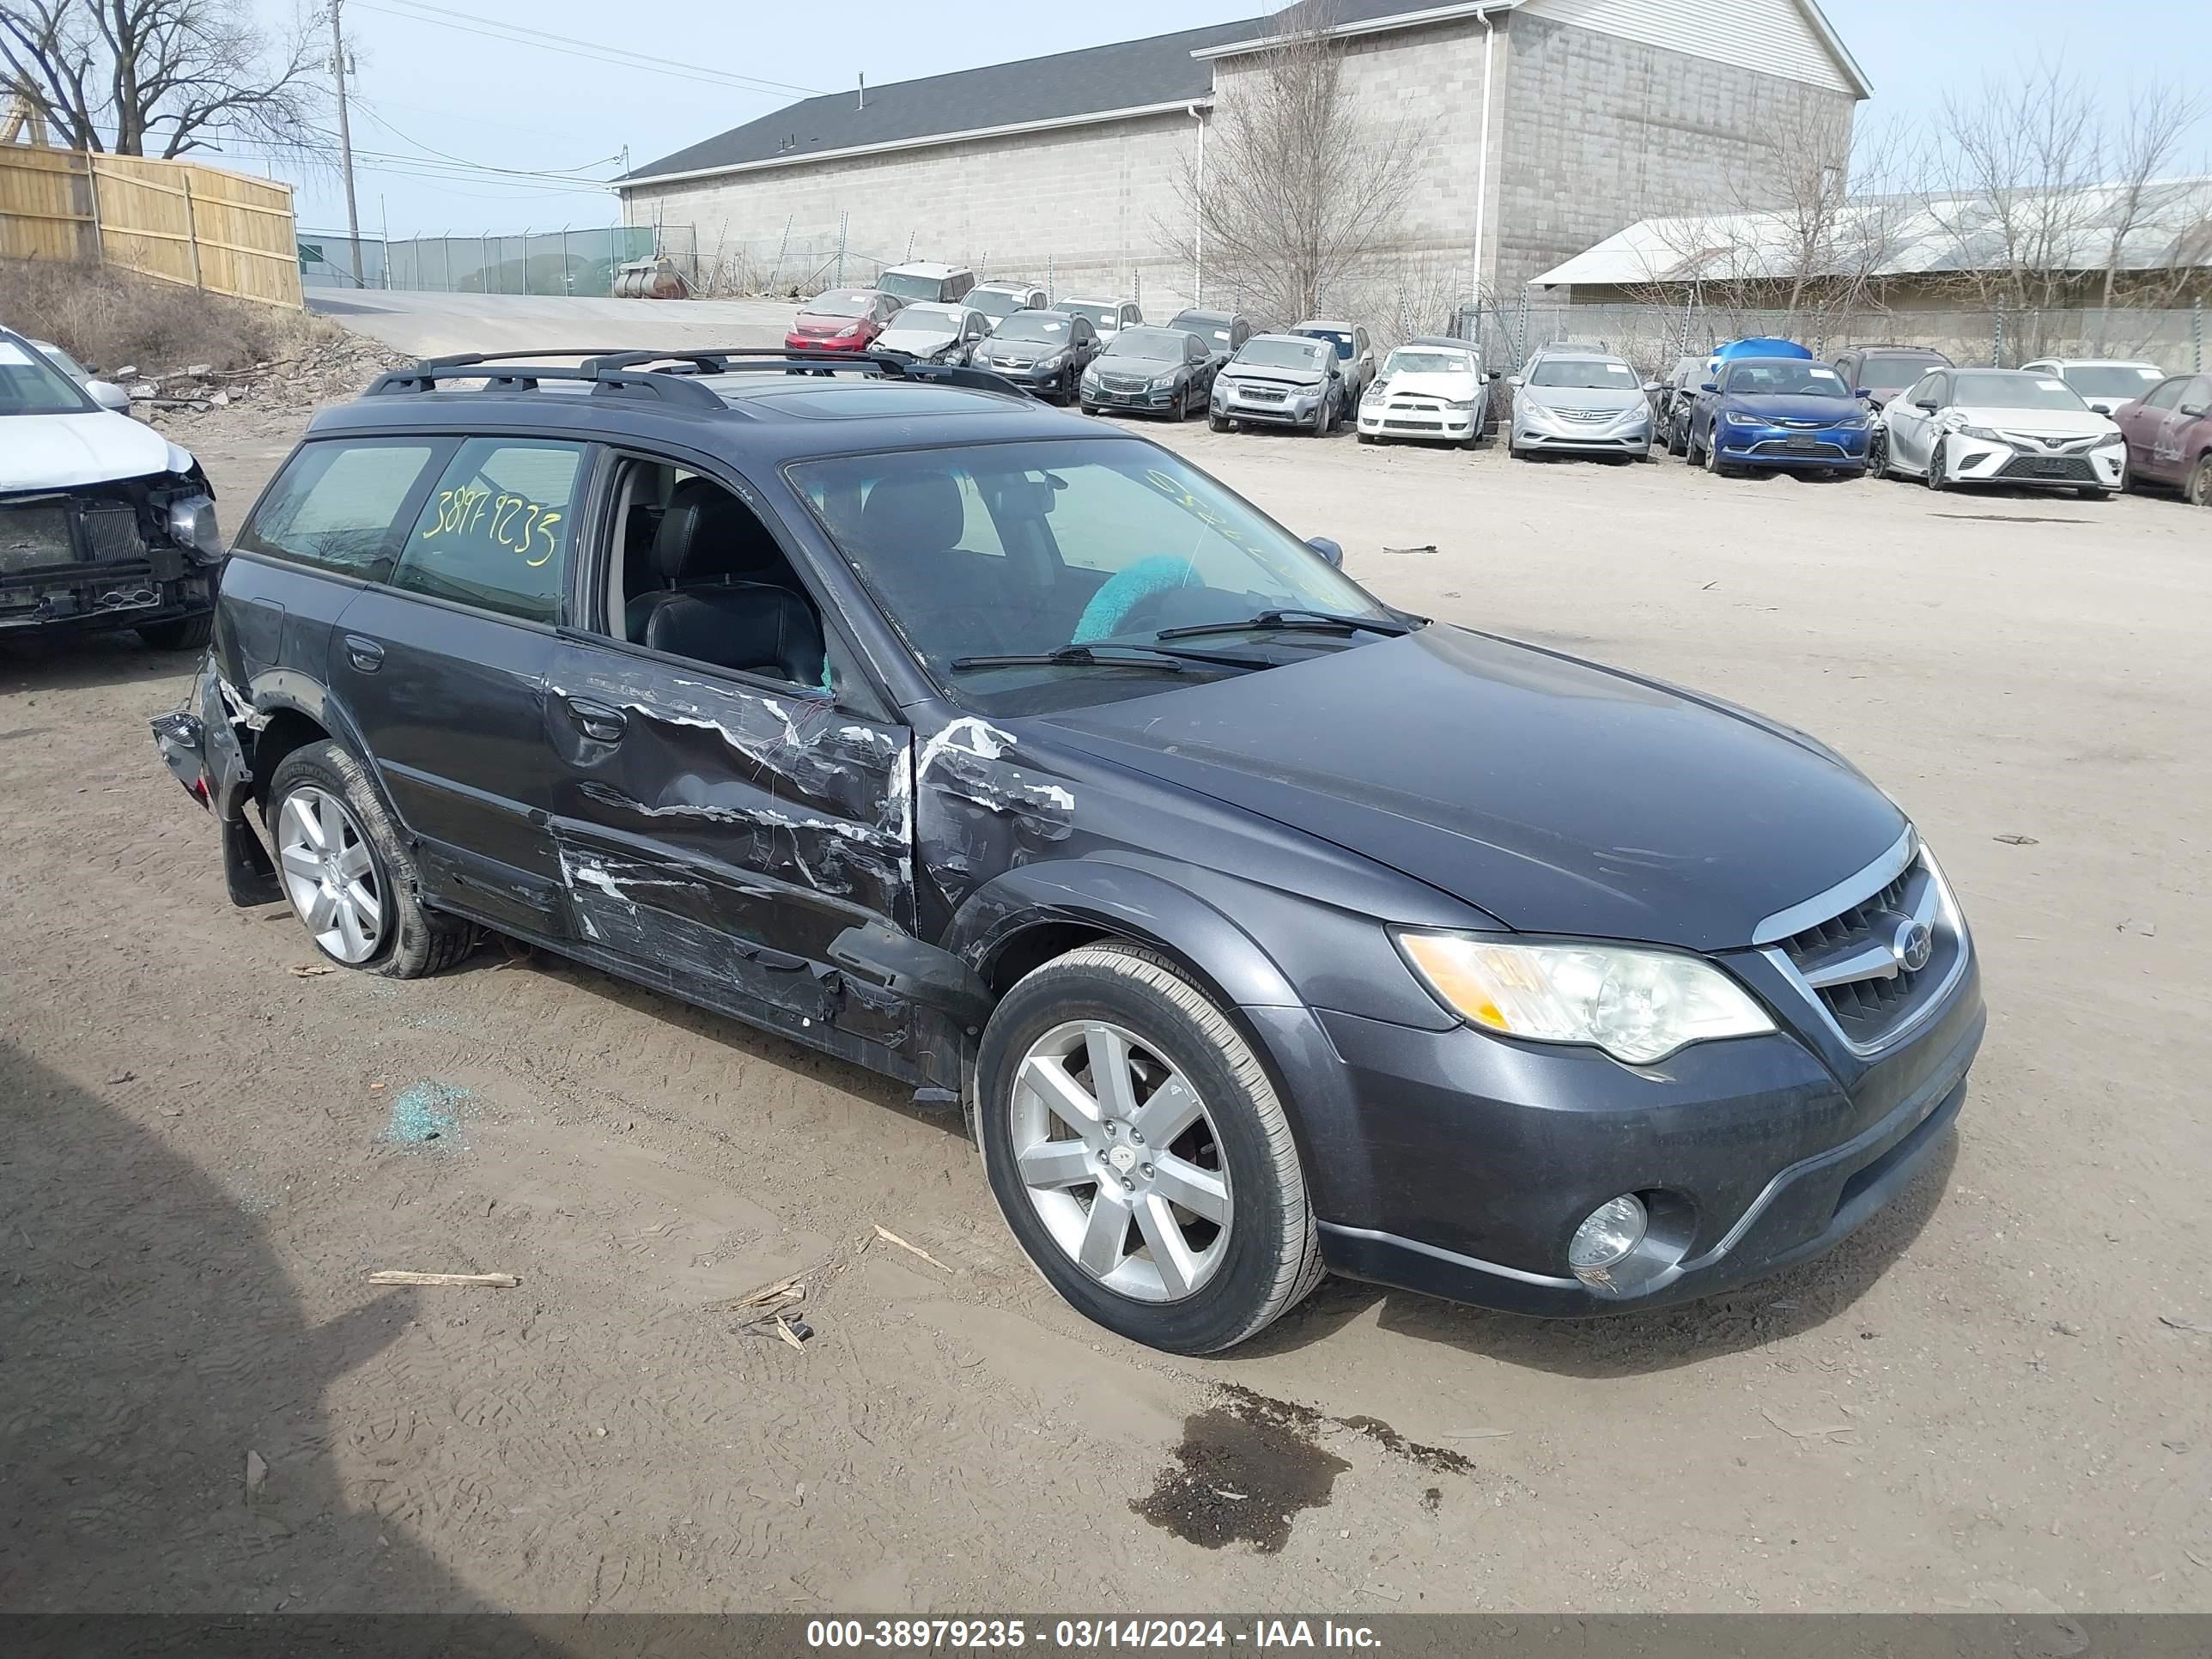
(288, 730)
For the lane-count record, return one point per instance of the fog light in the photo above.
(1608, 1234)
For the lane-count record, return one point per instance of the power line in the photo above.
(568, 46)
(374, 114)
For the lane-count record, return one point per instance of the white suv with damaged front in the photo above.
(104, 523)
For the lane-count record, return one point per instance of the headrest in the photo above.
(707, 532)
(913, 512)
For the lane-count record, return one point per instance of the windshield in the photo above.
(841, 302)
(1044, 327)
(1283, 354)
(936, 319)
(1895, 374)
(1426, 360)
(29, 385)
(2112, 380)
(908, 286)
(1583, 374)
(1340, 338)
(1164, 343)
(994, 303)
(1027, 548)
(1104, 318)
(2015, 390)
(1204, 325)
(1785, 380)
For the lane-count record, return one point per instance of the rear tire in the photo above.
(411, 940)
(2197, 492)
(1168, 1044)
(185, 633)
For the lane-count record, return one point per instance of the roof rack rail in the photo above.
(718, 360)
(625, 372)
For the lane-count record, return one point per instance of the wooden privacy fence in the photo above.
(221, 232)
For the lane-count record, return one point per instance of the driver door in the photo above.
(1910, 426)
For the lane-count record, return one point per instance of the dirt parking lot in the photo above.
(1993, 1398)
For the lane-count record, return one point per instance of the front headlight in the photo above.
(1734, 419)
(192, 526)
(1464, 407)
(1053, 361)
(1980, 432)
(2110, 440)
(1638, 1006)
(1162, 383)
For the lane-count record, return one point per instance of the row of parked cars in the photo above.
(2094, 426)
(1100, 353)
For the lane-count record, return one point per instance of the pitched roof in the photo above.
(1126, 75)
(1900, 236)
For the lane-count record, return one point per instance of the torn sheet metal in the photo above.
(978, 811)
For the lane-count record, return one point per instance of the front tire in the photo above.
(1140, 1155)
(2197, 492)
(1938, 476)
(1714, 464)
(347, 873)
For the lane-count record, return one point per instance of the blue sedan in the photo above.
(1780, 412)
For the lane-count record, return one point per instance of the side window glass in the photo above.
(497, 530)
(2166, 396)
(337, 506)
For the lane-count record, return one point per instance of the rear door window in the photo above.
(496, 532)
(341, 506)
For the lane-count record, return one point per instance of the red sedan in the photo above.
(2169, 434)
(841, 319)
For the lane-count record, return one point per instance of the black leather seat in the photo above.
(728, 597)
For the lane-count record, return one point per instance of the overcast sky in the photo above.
(435, 101)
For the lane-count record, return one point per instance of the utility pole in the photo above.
(345, 137)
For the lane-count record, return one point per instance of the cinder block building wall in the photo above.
(1601, 112)
(1601, 130)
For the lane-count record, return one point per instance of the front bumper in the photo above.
(1631, 436)
(1038, 382)
(1142, 402)
(1458, 1164)
(1981, 460)
(1425, 420)
(1294, 407)
(1799, 448)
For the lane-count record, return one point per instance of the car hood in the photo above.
(2037, 422)
(54, 452)
(1431, 383)
(810, 323)
(1779, 407)
(1129, 363)
(1267, 374)
(1604, 399)
(898, 338)
(1558, 796)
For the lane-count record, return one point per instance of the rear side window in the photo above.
(496, 532)
(339, 506)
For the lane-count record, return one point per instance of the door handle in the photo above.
(597, 720)
(367, 655)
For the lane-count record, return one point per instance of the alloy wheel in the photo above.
(1120, 1161)
(329, 874)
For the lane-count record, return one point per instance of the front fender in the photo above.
(1140, 905)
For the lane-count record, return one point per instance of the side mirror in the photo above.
(1516, 380)
(1865, 391)
(2192, 411)
(1653, 386)
(1709, 385)
(1328, 549)
(1927, 409)
(109, 395)
(1498, 375)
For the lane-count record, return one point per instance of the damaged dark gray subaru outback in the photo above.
(1260, 928)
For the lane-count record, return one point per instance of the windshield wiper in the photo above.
(1313, 621)
(1085, 656)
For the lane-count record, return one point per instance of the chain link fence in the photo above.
(1652, 335)
(565, 261)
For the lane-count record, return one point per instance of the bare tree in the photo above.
(1301, 188)
(158, 78)
(2145, 145)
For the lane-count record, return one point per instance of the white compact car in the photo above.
(1432, 390)
(1961, 426)
(104, 523)
(931, 333)
(2103, 383)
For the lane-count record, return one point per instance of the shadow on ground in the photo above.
(161, 1389)
(32, 662)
